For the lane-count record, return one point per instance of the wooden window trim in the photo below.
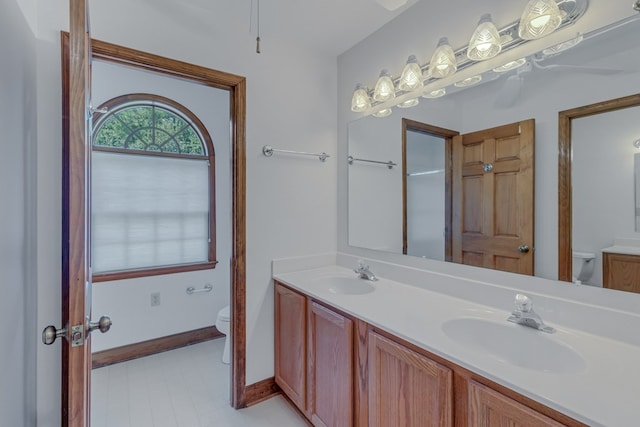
(109, 276)
(146, 99)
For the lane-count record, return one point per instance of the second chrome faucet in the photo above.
(364, 273)
(523, 314)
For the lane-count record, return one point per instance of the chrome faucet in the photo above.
(364, 273)
(524, 315)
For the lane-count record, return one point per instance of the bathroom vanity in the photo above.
(353, 352)
(621, 268)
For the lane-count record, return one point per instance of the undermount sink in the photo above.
(348, 285)
(515, 344)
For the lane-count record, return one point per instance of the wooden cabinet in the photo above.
(343, 372)
(406, 388)
(621, 271)
(291, 345)
(488, 408)
(330, 374)
(314, 358)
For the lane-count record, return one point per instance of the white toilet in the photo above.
(223, 324)
(583, 266)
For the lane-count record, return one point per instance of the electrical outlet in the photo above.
(155, 299)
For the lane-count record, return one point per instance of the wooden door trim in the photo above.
(565, 119)
(236, 85)
(447, 135)
(76, 362)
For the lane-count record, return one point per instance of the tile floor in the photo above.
(187, 387)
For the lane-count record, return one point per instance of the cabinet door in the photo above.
(487, 408)
(621, 272)
(290, 344)
(406, 388)
(330, 378)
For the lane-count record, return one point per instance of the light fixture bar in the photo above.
(573, 10)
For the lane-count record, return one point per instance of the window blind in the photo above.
(148, 211)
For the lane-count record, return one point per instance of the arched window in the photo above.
(152, 189)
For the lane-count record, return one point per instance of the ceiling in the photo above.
(334, 26)
(329, 26)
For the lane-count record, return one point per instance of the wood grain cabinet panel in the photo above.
(290, 344)
(330, 377)
(621, 272)
(407, 388)
(488, 408)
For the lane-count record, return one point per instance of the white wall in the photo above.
(291, 201)
(475, 109)
(17, 219)
(603, 182)
(128, 302)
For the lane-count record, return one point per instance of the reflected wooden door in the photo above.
(493, 198)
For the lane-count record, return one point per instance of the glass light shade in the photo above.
(435, 93)
(485, 42)
(382, 113)
(411, 77)
(360, 100)
(443, 60)
(469, 81)
(409, 103)
(561, 47)
(510, 65)
(384, 90)
(540, 18)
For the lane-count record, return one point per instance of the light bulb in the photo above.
(485, 42)
(411, 77)
(510, 65)
(409, 103)
(360, 100)
(469, 81)
(382, 113)
(539, 18)
(384, 89)
(435, 93)
(443, 60)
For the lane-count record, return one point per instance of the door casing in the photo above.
(76, 368)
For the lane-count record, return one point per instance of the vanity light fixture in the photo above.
(636, 144)
(510, 65)
(443, 60)
(384, 89)
(360, 100)
(485, 41)
(469, 81)
(411, 77)
(540, 18)
(382, 113)
(438, 93)
(409, 103)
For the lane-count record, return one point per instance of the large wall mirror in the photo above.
(383, 203)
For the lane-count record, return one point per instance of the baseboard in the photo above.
(158, 345)
(262, 390)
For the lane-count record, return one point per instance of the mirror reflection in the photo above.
(603, 66)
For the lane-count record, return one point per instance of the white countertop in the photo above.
(624, 250)
(603, 393)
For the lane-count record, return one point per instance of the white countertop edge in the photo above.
(588, 414)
